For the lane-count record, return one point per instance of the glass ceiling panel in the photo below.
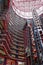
(24, 7)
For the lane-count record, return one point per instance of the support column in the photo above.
(16, 63)
(28, 61)
(5, 61)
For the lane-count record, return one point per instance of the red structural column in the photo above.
(5, 24)
(11, 63)
(8, 3)
(28, 61)
(5, 61)
(25, 38)
(16, 62)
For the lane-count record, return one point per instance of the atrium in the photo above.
(21, 32)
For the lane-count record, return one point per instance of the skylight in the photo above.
(23, 8)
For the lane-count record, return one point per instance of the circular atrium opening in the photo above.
(24, 8)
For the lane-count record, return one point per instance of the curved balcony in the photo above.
(17, 44)
(16, 40)
(4, 35)
(12, 28)
(20, 57)
(21, 45)
(15, 33)
(21, 53)
(17, 37)
(9, 54)
(14, 19)
(18, 49)
(16, 57)
(12, 32)
(6, 43)
(8, 48)
(2, 51)
(14, 53)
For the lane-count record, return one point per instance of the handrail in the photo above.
(12, 32)
(18, 59)
(9, 54)
(6, 45)
(15, 36)
(17, 49)
(15, 40)
(2, 51)
(10, 28)
(19, 45)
